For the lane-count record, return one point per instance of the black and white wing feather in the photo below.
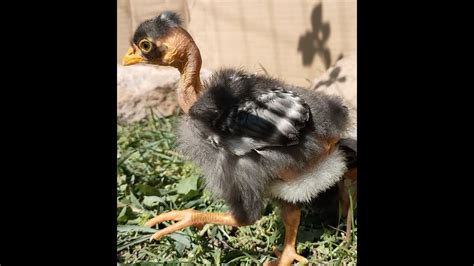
(244, 114)
(274, 118)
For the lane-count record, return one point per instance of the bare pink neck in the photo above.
(190, 87)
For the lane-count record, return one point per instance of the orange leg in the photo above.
(188, 218)
(291, 219)
(348, 185)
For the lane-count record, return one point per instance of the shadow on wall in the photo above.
(315, 41)
(334, 76)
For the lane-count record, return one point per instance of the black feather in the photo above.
(349, 147)
(171, 17)
(157, 26)
(232, 134)
(249, 108)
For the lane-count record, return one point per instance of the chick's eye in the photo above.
(145, 46)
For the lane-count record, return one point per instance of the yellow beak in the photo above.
(132, 57)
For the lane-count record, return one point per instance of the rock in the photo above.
(145, 88)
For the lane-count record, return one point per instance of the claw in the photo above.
(277, 252)
(286, 257)
(167, 216)
(170, 229)
(186, 218)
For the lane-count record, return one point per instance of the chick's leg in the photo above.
(188, 218)
(348, 188)
(291, 219)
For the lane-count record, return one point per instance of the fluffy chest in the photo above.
(302, 185)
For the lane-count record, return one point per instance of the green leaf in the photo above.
(191, 195)
(124, 215)
(233, 255)
(172, 198)
(135, 201)
(152, 201)
(139, 240)
(125, 157)
(123, 187)
(181, 242)
(212, 231)
(187, 184)
(135, 228)
(148, 190)
(193, 203)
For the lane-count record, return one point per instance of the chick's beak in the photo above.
(132, 57)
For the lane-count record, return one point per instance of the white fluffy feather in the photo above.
(327, 173)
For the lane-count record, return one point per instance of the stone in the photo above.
(142, 89)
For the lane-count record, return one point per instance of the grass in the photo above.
(152, 178)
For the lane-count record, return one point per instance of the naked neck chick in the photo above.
(253, 136)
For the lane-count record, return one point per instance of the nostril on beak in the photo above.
(130, 51)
